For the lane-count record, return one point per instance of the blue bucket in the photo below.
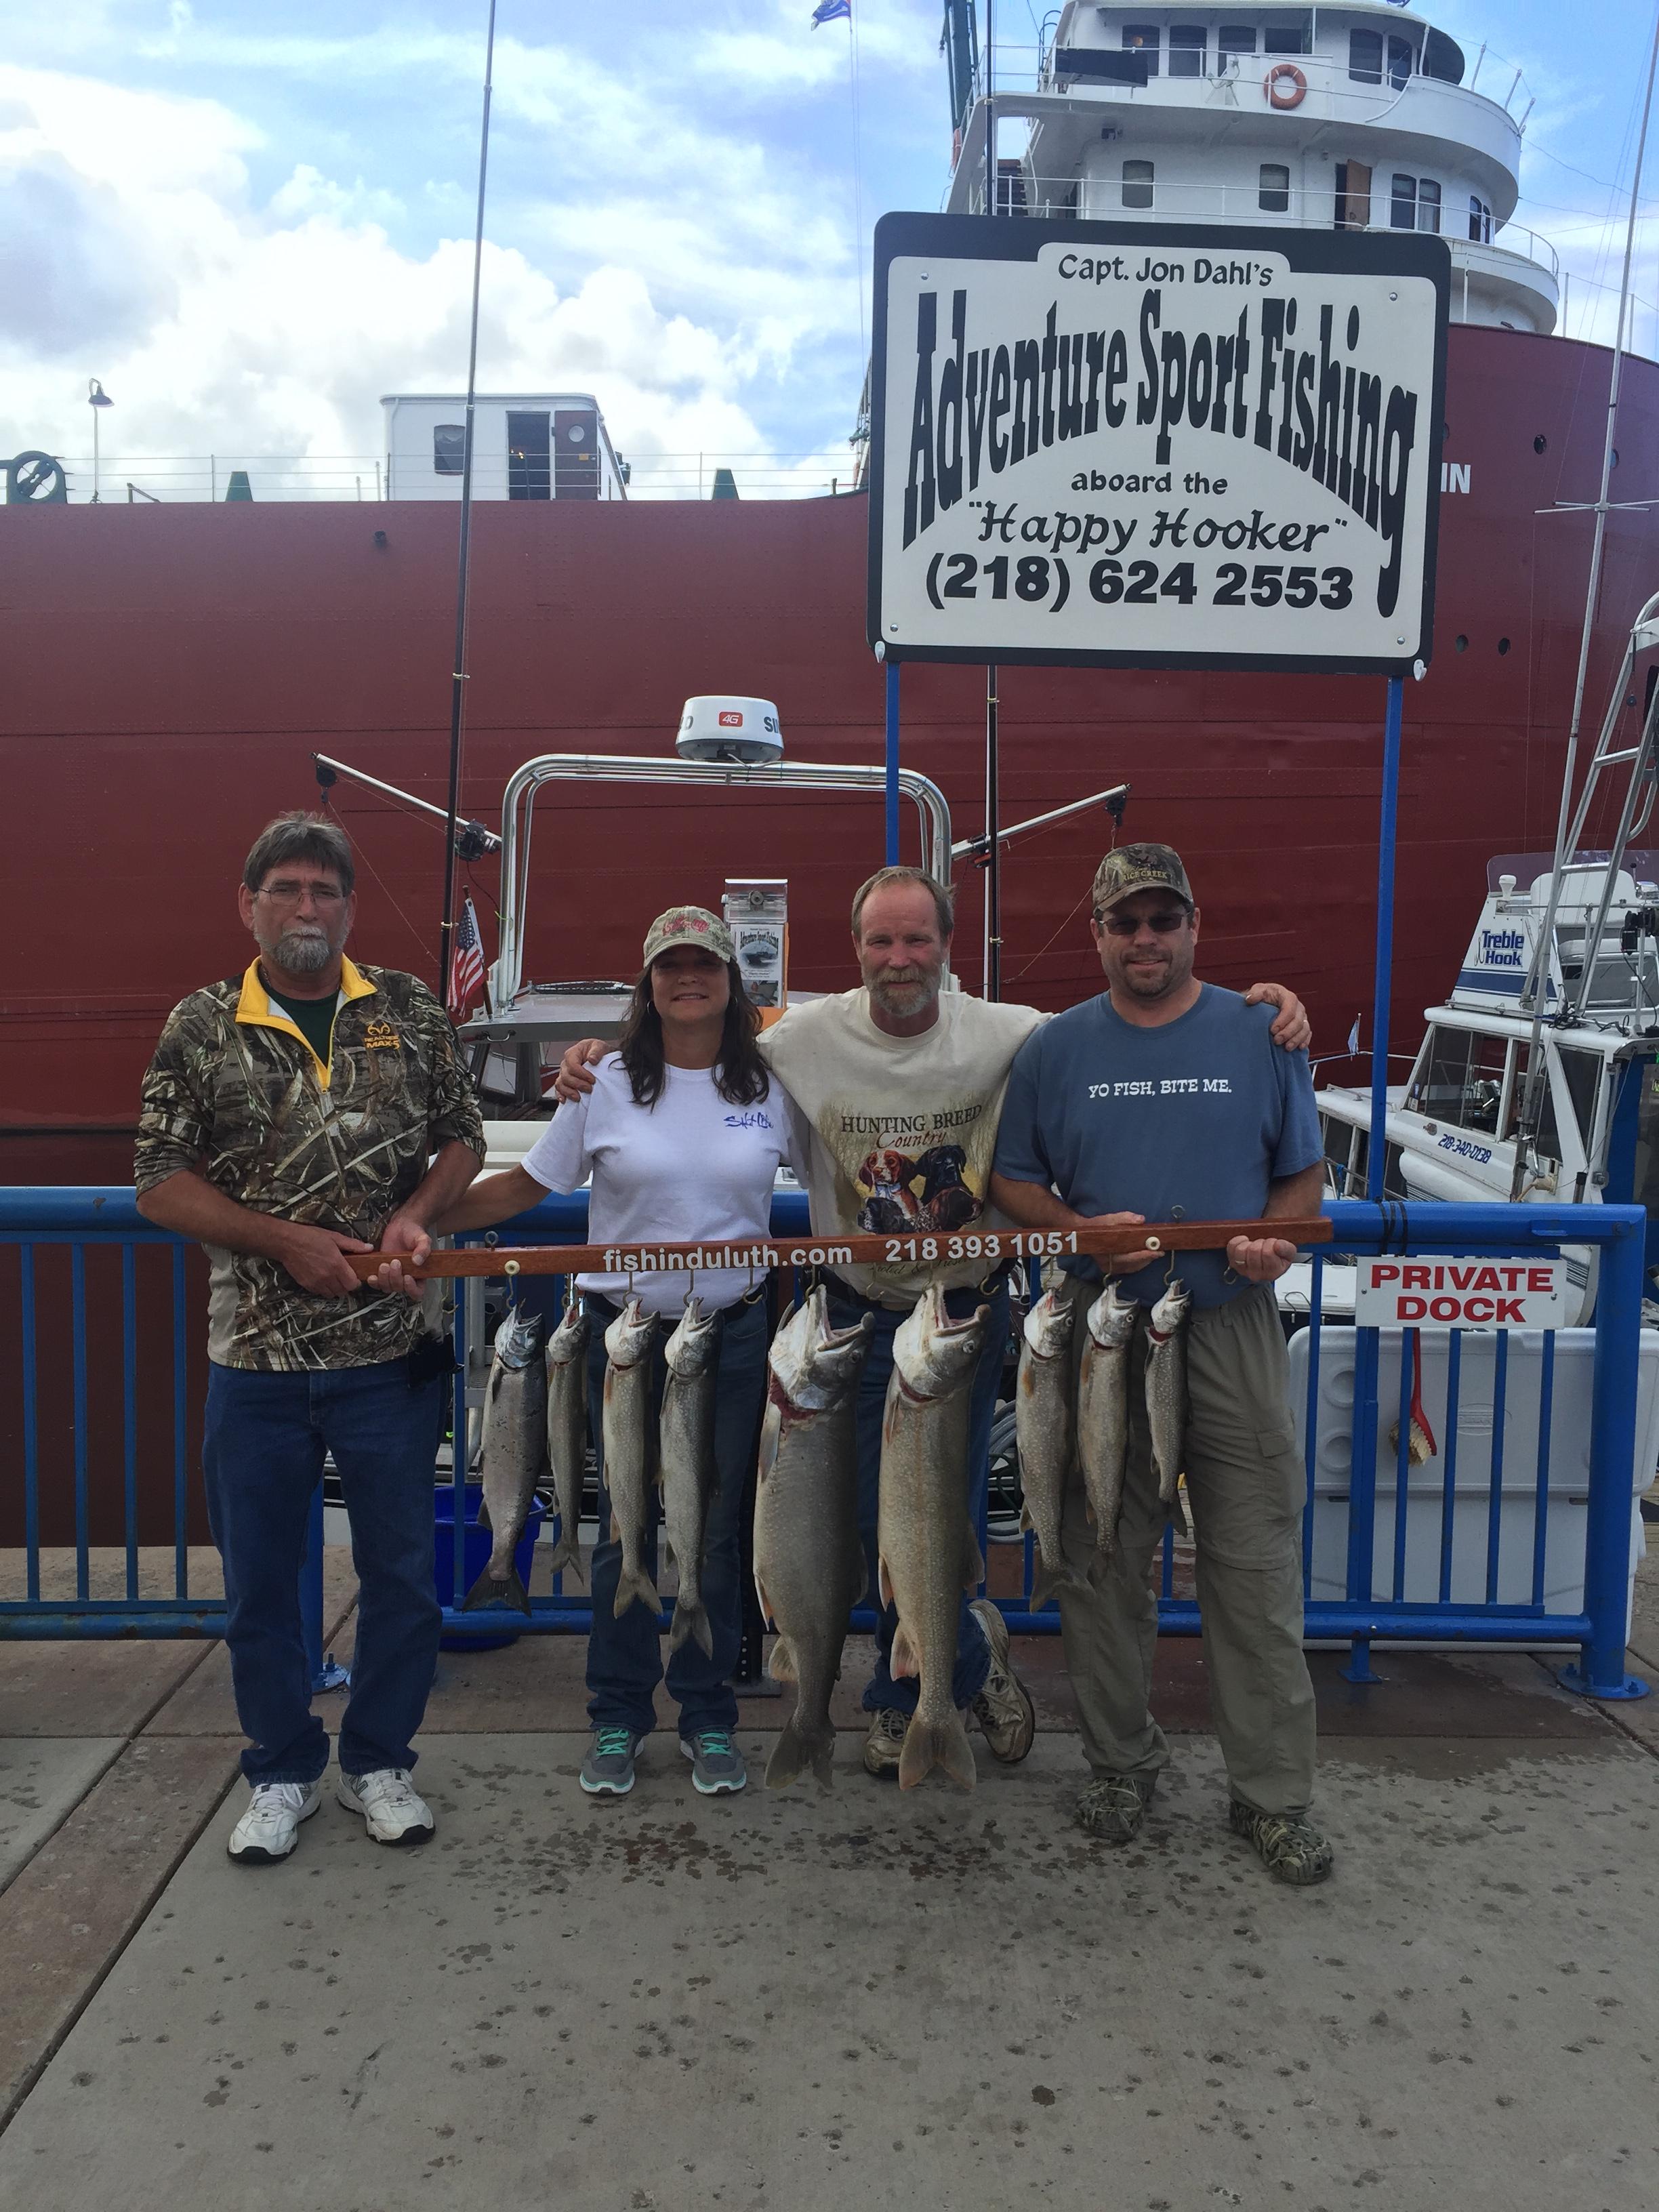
(477, 1543)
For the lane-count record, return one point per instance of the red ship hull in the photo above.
(169, 671)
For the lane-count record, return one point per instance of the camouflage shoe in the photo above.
(1287, 1844)
(1112, 1806)
(1003, 1708)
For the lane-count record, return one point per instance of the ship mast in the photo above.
(1532, 997)
(457, 688)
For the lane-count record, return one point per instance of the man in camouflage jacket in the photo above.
(306, 1109)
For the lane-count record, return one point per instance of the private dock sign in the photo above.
(1460, 1294)
(1155, 445)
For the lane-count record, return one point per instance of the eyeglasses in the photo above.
(1130, 924)
(290, 894)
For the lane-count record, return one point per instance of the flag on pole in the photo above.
(1353, 1036)
(466, 966)
(832, 11)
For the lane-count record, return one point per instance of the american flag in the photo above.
(467, 965)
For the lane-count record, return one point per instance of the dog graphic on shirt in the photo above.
(893, 1205)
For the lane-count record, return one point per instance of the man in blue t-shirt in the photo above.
(1163, 1097)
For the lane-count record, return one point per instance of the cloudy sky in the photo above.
(251, 222)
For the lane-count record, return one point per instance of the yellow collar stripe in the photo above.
(255, 1010)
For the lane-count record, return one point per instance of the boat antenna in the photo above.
(1538, 970)
(457, 689)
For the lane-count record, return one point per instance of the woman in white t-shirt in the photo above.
(682, 1134)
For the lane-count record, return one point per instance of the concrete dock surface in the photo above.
(793, 2000)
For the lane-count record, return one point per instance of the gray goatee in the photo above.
(301, 951)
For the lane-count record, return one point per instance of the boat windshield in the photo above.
(1467, 1080)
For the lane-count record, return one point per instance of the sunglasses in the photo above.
(1125, 925)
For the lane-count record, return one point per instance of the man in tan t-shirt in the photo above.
(901, 1082)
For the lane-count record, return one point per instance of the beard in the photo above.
(904, 994)
(301, 951)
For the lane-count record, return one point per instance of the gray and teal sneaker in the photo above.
(1287, 1844)
(608, 1769)
(1112, 1806)
(717, 1766)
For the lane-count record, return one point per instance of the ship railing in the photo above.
(1519, 1528)
(1330, 80)
(1108, 198)
(168, 479)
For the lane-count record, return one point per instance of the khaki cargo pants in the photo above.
(1247, 1485)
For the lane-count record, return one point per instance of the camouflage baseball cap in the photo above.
(689, 925)
(1134, 868)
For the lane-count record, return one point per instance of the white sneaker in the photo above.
(388, 1802)
(270, 1828)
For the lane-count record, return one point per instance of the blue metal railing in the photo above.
(117, 1474)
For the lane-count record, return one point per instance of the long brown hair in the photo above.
(740, 1075)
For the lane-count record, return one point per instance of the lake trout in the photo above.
(1103, 1413)
(809, 1567)
(513, 1456)
(567, 1428)
(1166, 1391)
(928, 1552)
(628, 1431)
(1045, 1431)
(688, 1478)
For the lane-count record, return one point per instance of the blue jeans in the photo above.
(973, 1652)
(261, 1453)
(624, 1657)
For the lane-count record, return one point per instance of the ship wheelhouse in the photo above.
(1352, 117)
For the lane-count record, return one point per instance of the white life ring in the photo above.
(1285, 85)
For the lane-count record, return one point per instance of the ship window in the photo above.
(1137, 184)
(1142, 39)
(1339, 1141)
(1365, 57)
(1547, 1143)
(1461, 1080)
(1273, 190)
(1402, 203)
(1428, 204)
(1479, 222)
(1235, 39)
(1399, 62)
(448, 448)
(1187, 44)
(1284, 42)
(1583, 1072)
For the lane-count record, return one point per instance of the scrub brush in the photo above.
(1421, 1444)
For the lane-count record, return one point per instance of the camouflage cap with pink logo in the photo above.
(689, 925)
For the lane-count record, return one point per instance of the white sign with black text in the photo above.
(1462, 1294)
(1155, 445)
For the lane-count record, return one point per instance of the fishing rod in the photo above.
(457, 689)
(906, 1250)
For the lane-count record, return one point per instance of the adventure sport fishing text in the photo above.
(980, 412)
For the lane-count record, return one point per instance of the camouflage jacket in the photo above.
(235, 1092)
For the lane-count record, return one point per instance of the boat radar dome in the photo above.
(746, 731)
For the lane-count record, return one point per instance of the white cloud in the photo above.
(222, 323)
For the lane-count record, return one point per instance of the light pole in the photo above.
(97, 399)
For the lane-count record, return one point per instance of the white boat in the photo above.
(1536, 1079)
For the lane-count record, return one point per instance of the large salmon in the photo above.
(629, 1429)
(928, 1552)
(513, 1454)
(567, 1428)
(687, 1433)
(1102, 1413)
(810, 1568)
(1046, 1433)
